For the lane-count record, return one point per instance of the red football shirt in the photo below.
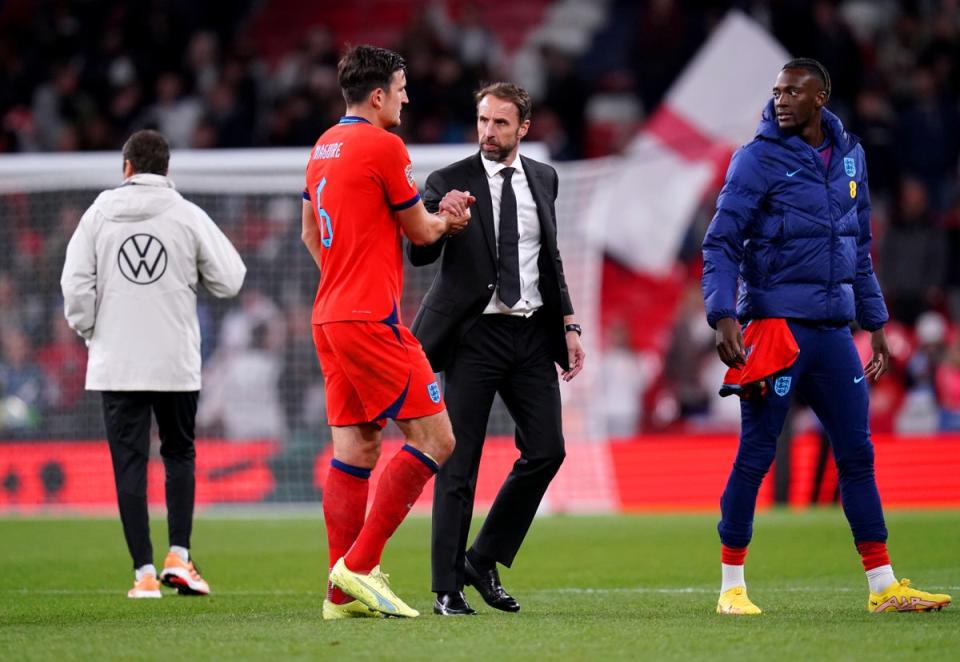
(357, 177)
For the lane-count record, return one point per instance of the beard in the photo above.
(496, 153)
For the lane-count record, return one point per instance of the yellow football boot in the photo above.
(900, 597)
(736, 602)
(352, 609)
(373, 590)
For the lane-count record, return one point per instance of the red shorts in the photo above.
(374, 371)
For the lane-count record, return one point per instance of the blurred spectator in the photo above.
(913, 240)
(692, 348)
(64, 364)
(948, 387)
(886, 395)
(175, 114)
(23, 389)
(58, 106)
(476, 44)
(241, 392)
(931, 332)
(875, 123)
(928, 141)
(952, 282)
(255, 310)
(663, 43)
(942, 50)
(18, 310)
(898, 50)
(316, 52)
(566, 94)
(301, 383)
(919, 411)
(625, 375)
(832, 44)
(202, 59)
(55, 247)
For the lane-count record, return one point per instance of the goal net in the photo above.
(261, 419)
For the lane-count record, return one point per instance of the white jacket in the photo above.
(130, 285)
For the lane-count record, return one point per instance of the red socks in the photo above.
(344, 507)
(399, 487)
(873, 554)
(733, 555)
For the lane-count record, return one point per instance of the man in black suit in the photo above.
(496, 319)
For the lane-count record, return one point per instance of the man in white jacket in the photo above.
(129, 284)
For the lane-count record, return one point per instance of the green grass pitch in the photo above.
(592, 588)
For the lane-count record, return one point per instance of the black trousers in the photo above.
(126, 415)
(509, 356)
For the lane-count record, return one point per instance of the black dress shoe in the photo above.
(452, 604)
(489, 587)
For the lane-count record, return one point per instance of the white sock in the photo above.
(732, 577)
(880, 578)
(182, 552)
(145, 570)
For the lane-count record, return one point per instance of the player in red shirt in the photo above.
(359, 200)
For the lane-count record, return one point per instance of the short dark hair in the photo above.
(148, 152)
(362, 69)
(809, 64)
(508, 92)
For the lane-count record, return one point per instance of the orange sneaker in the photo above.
(147, 587)
(183, 576)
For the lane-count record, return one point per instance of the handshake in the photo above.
(455, 209)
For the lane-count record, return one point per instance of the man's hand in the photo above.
(456, 202)
(575, 355)
(730, 343)
(455, 223)
(881, 356)
(455, 210)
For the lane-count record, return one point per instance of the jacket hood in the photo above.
(832, 126)
(140, 197)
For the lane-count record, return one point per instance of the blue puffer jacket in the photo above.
(796, 234)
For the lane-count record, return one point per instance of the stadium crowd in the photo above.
(82, 76)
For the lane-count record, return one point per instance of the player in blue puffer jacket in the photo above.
(792, 228)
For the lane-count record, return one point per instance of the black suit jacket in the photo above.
(468, 270)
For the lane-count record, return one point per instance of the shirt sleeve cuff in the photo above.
(406, 205)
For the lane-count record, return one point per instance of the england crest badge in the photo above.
(434, 392)
(782, 386)
(849, 166)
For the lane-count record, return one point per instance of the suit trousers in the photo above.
(126, 415)
(510, 356)
(829, 376)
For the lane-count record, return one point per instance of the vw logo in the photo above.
(142, 259)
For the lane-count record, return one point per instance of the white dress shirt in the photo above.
(528, 226)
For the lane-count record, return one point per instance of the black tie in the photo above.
(508, 243)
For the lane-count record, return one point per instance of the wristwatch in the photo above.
(573, 327)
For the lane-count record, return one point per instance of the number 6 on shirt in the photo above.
(326, 227)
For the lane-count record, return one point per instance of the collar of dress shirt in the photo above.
(494, 167)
